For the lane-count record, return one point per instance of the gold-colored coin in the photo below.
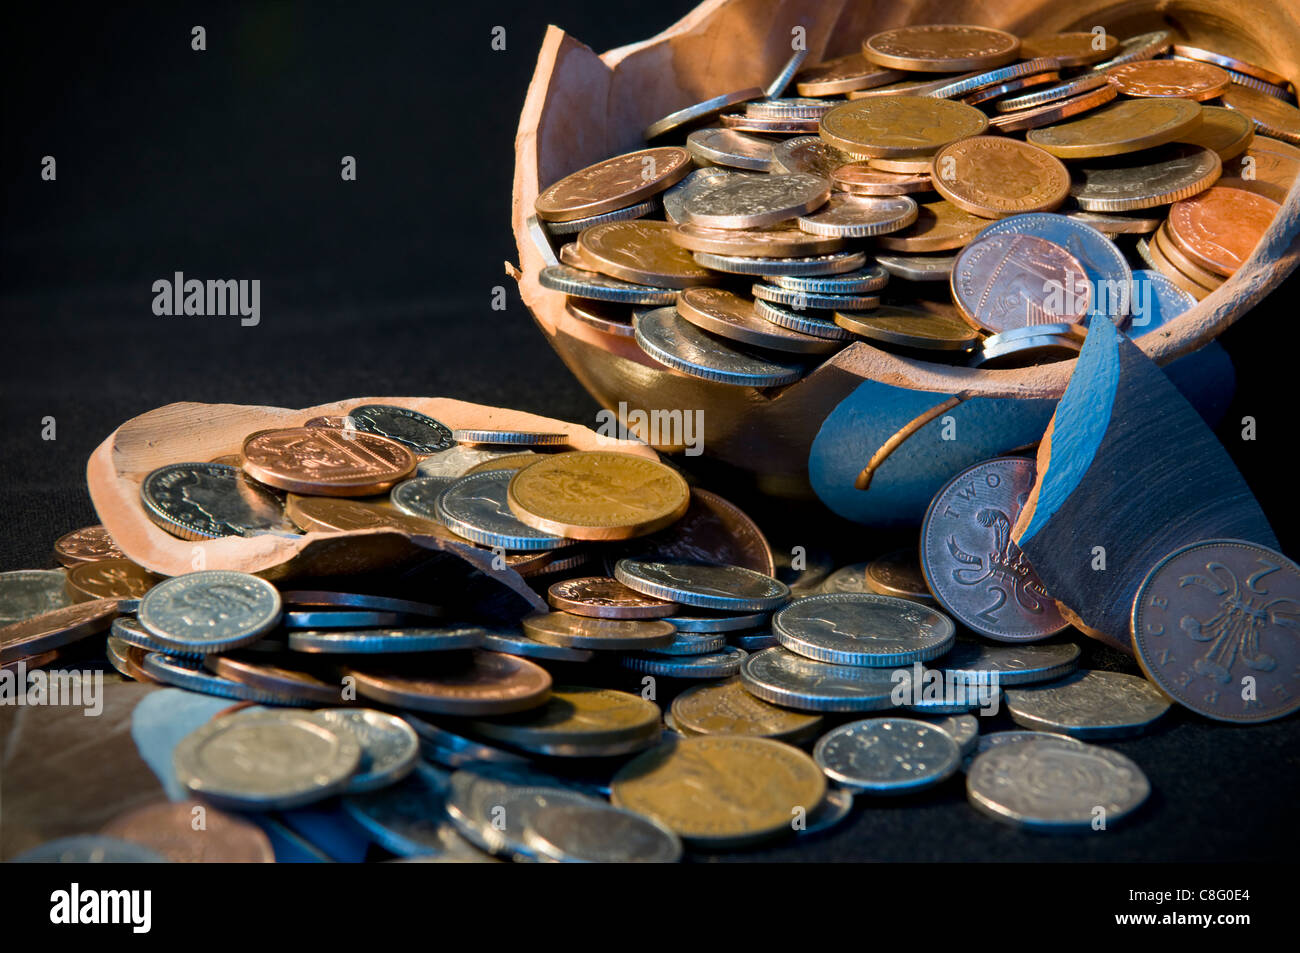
(993, 176)
(949, 48)
(725, 708)
(322, 514)
(843, 75)
(728, 315)
(721, 790)
(575, 718)
(596, 494)
(1120, 128)
(916, 165)
(776, 241)
(939, 226)
(1269, 168)
(641, 252)
(900, 126)
(110, 579)
(587, 632)
(1069, 49)
(1271, 116)
(1225, 131)
(910, 327)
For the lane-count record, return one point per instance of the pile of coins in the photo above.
(1016, 170)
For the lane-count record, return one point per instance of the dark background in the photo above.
(225, 164)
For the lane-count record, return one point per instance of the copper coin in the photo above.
(1219, 228)
(1116, 224)
(899, 574)
(320, 514)
(1225, 131)
(971, 565)
(1119, 128)
(605, 598)
(1170, 250)
(585, 632)
(1218, 615)
(1264, 170)
(284, 682)
(615, 319)
(469, 683)
(939, 226)
(1152, 255)
(572, 256)
(188, 832)
(128, 659)
(1053, 112)
(918, 165)
(613, 184)
(1231, 63)
(235, 460)
(990, 93)
(1195, 81)
(1069, 49)
(87, 545)
(55, 629)
(1271, 116)
(326, 462)
(941, 49)
(777, 241)
(711, 531)
(860, 178)
(728, 315)
(900, 126)
(110, 579)
(843, 75)
(993, 176)
(641, 251)
(335, 422)
(1010, 281)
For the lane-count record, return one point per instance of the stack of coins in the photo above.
(1030, 174)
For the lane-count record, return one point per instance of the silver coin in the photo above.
(699, 111)
(266, 760)
(179, 672)
(1046, 785)
(315, 598)
(1156, 302)
(589, 284)
(968, 84)
(786, 75)
(699, 622)
(846, 579)
(419, 496)
(729, 147)
(691, 644)
(751, 201)
(918, 267)
(1144, 46)
(1242, 79)
(850, 628)
(860, 216)
(800, 299)
(211, 611)
(832, 263)
(723, 664)
(387, 641)
(942, 706)
(796, 321)
(541, 240)
(510, 438)
(27, 593)
(871, 278)
(457, 461)
(599, 834)
(674, 342)
(811, 154)
(1156, 177)
(835, 807)
(1026, 351)
(783, 678)
(490, 804)
(730, 588)
(89, 849)
(1107, 270)
(887, 755)
(964, 729)
(389, 746)
(408, 819)
(1009, 664)
(753, 641)
(699, 179)
(211, 500)
(341, 619)
(410, 428)
(998, 738)
(519, 644)
(1089, 704)
(572, 227)
(130, 631)
(475, 507)
(794, 107)
(455, 750)
(1048, 94)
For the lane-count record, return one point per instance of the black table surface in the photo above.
(225, 163)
